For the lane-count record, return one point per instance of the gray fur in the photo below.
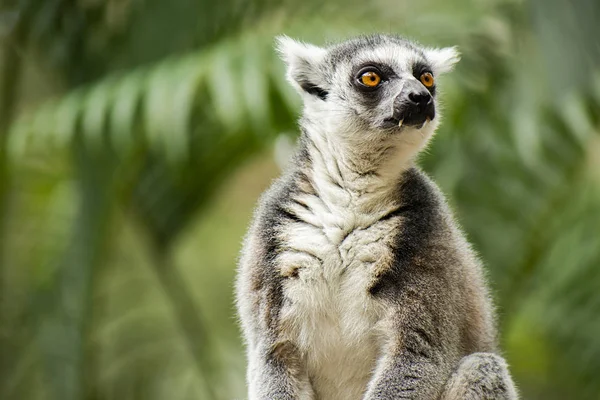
(355, 282)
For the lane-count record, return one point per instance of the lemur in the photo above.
(355, 282)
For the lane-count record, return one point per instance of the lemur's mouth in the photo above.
(390, 123)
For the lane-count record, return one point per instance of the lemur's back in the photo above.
(354, 280)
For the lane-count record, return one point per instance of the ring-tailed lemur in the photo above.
(355, 282)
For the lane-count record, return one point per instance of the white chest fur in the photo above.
(333, 257)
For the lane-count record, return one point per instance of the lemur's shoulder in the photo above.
(426, 233)
(262, 242)
(416, 187)
(272, 212)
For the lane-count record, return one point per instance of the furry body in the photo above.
(354, 281)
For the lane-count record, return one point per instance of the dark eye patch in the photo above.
(419, 68)
(370, 97)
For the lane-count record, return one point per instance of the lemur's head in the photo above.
(370, 88)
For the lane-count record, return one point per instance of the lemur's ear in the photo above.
(303, 64)
(443, 60)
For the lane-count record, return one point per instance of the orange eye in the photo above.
(427, 79)
(370, 79)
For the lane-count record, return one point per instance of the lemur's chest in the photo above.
(332, 259)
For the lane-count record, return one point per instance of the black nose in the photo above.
(420, 98)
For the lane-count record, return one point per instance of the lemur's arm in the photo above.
(275, 369)
(407, 375)
(418, 355)
(419, 365)
(273, 374)
(481, 376)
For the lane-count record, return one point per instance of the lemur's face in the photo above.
(372, 87)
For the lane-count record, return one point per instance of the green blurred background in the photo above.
(136, 136)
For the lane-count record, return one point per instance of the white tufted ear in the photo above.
(303, 61)
(443, 60)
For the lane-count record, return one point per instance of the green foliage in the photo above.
(183, 125)
(122, 221)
